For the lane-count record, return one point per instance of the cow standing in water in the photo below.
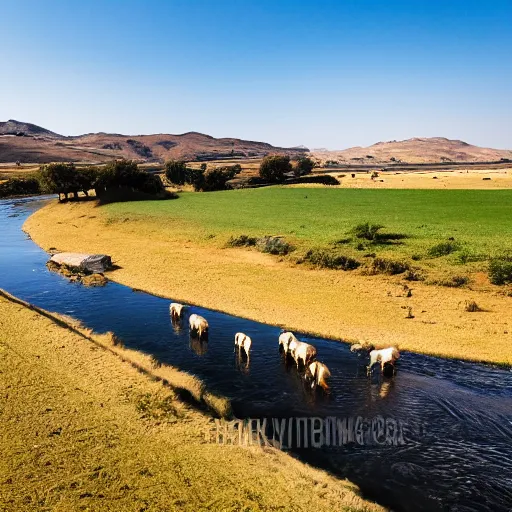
(302, 352)
(320, 373)
(176, 311)
(243, 342)
(198, 325)
(387, 357)
(285, 340)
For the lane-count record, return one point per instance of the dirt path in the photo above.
(84, 430)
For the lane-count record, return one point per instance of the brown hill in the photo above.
(416, 150)
(30, 143)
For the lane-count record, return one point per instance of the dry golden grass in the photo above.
(84, 430)
(459, 179)
(180, 261)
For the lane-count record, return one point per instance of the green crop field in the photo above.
(479, 221)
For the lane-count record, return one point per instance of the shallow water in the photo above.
(457, 454)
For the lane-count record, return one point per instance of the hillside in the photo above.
(416, 150)
(30, 143)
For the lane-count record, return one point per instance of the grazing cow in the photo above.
(176, 310)
(362, 348)
(320, 373)
(285, 339)
(301, 351)
(198, 325)
(243, 342)
(385, 356)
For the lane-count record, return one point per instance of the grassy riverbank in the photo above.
(178, 249)
(82, 429)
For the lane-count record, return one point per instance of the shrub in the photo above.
(242, 241)
(367, 231)
(443, 249)
(454, 281)
(414, 275)
(274, 245)
(324, 258)
(217, 179)
(176, 172)
(20, 187)
(387, 266)
(500, 270)
(324, 179)
(303, 165)
(273, 168)
(467, 257)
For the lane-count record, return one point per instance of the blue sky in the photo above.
(321, 73)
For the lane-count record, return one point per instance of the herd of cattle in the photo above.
(302, 353)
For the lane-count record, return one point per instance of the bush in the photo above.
(274, 245)
(20, 187)
(500, 270)
(242, 241)
(330, 259)
(386, 266)
(414, 275)
(367, 231)
(443, 249)
(304, 165)
(176, 172)
(324, 179)
(273, 168)
(455, 281)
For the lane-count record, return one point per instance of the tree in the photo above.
(60, 178)
(273, 168)
(124, 174)
(176, 171)
(303, 166)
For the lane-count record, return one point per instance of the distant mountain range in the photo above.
(414, 151)
(27, 142)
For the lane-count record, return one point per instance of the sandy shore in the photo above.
(82, 429)
(335, 304)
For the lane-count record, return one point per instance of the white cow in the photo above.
(383, 356)
(243, 342)
(285, 339)
(302, 352)
(176, 310)
(198, 325)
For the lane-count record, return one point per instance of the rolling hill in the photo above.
(414, 151)
(27, 142)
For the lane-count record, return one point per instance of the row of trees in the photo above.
(65, 179)
(273, 169)
(203, 179)
(276, 168)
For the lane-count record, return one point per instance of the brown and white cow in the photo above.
(384, 356)
(302, 352)
(198, 325)
(176, 310)
(320, 373)
(243, 342)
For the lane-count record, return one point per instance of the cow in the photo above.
(285, 338)
(176, 310)
(198, 325)
(243, 342)
(301, 351)
(319, 372)
(386, 357)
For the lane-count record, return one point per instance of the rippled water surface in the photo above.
(458, 416)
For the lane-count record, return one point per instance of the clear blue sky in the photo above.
(320, 73)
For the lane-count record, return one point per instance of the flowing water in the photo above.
(456, 416)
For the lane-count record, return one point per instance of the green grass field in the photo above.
(480, 221)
